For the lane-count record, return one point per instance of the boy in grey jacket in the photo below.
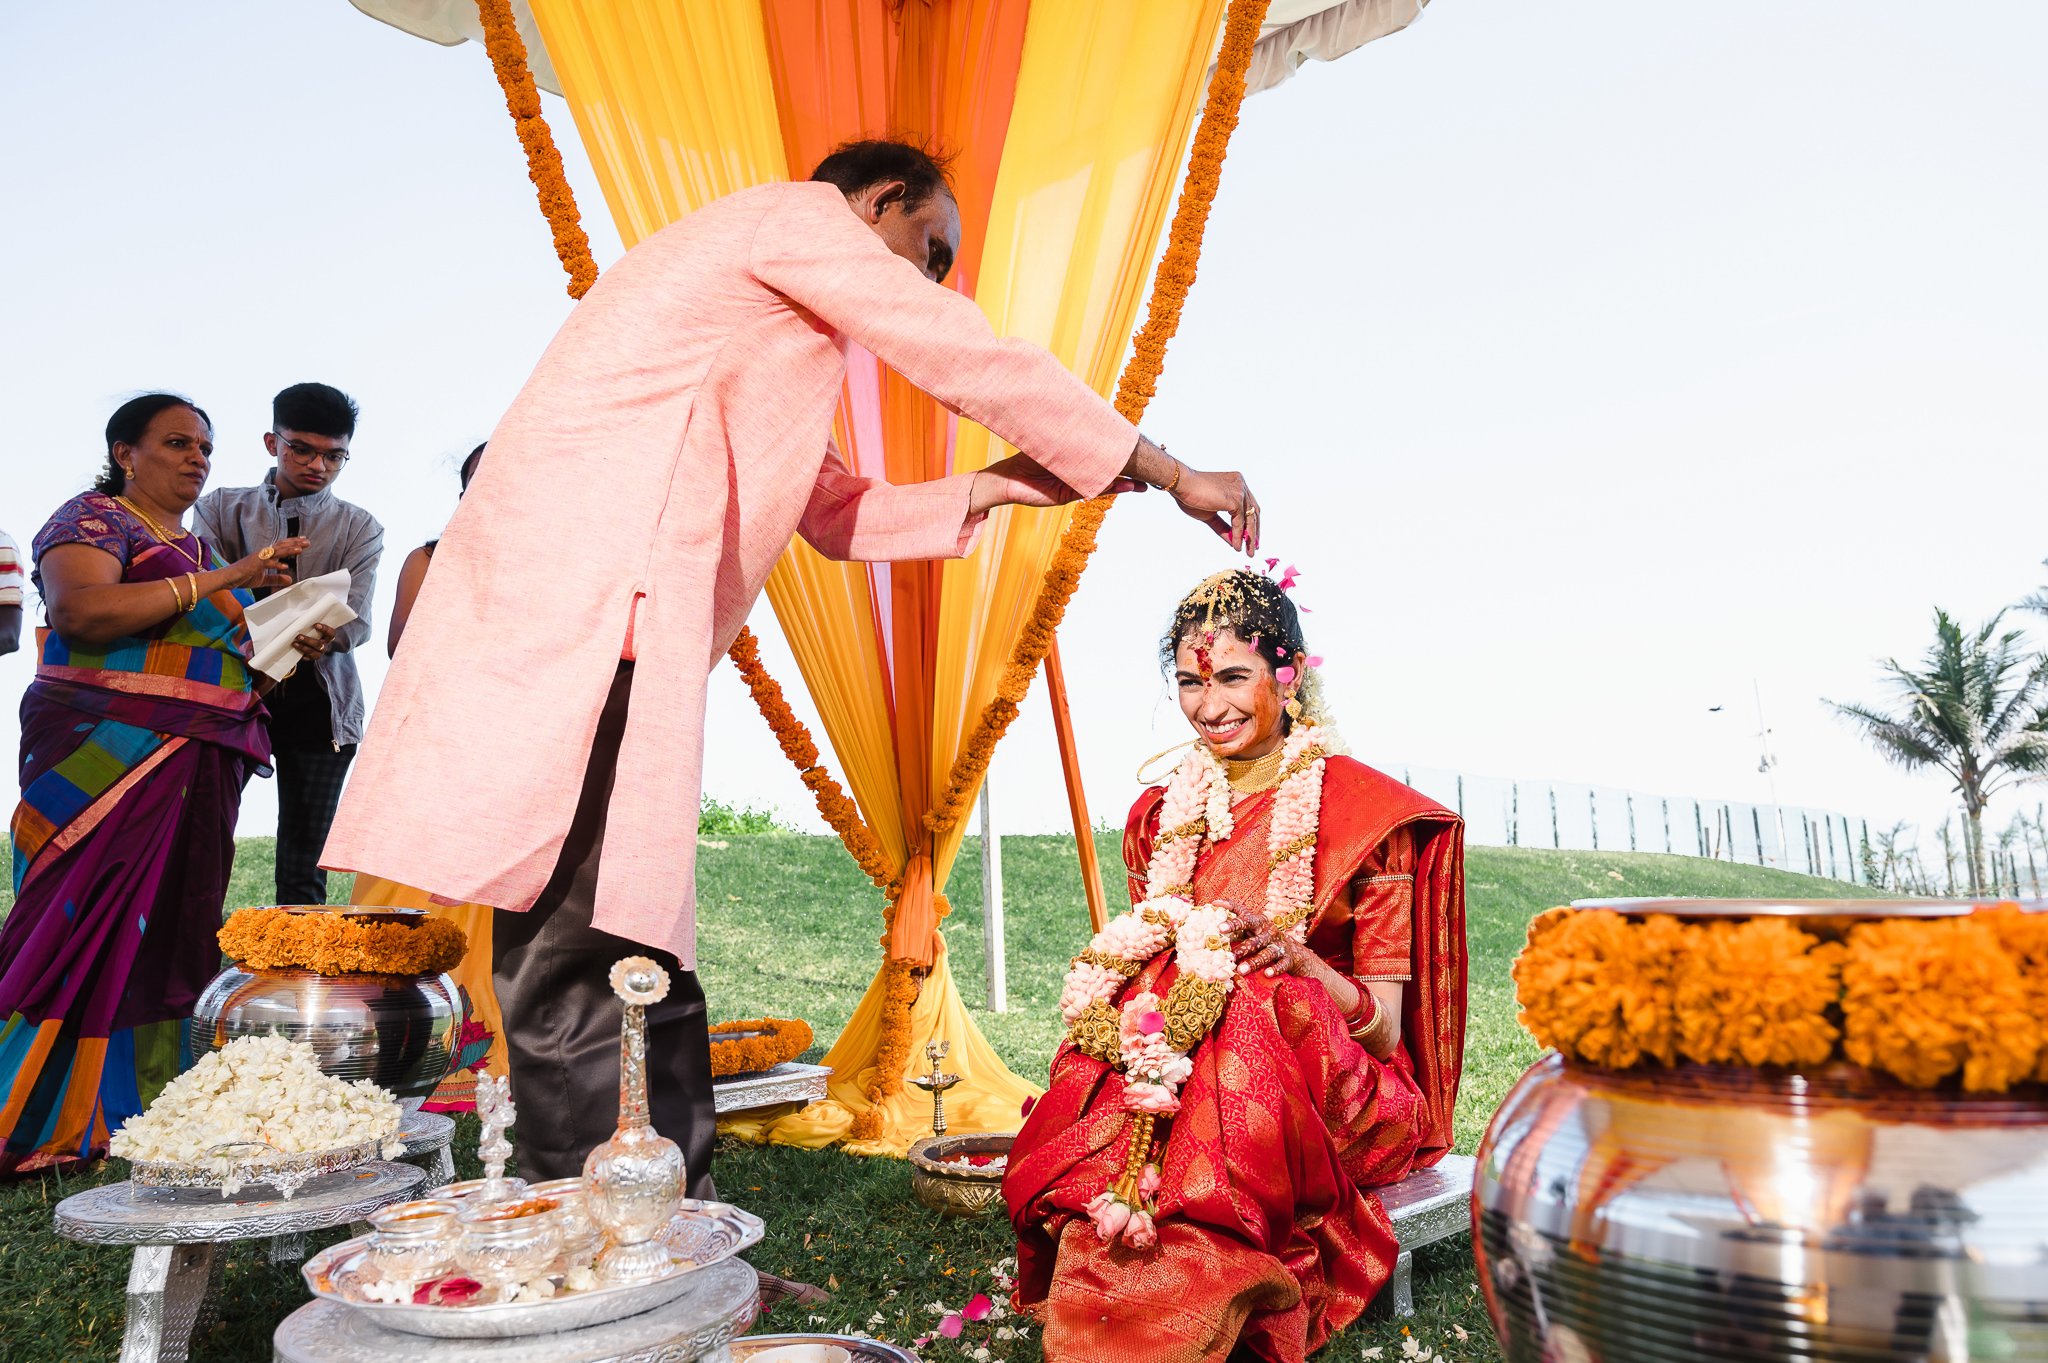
(316, 714)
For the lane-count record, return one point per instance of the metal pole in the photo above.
(1630, 797)
(992, 905)
(1555, 840)
(1593, 817)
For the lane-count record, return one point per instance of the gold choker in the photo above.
(1251, 775)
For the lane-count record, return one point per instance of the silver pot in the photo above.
(395, 1030)
(1718, 1213)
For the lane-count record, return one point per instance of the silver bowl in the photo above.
(395, 1030)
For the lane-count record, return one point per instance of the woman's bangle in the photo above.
(177, 601)
(1363, 1014)
(192, 585)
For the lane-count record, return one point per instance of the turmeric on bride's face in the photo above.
(1229, 695)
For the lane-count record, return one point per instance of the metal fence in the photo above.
(1508, 813)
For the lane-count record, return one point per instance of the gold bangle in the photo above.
(1178, 469)
(177, 601)
(192, 585)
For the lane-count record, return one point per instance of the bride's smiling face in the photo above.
(1229, 695)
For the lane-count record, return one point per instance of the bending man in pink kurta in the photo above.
(674, 436)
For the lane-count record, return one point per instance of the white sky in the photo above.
(1591, 359)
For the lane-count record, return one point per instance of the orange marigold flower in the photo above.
(1758, 993)
(1595, 985)
(338, 944)
(2025, 938)
(1923, 1000)
(757, 1044)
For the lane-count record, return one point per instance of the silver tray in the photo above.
(268, 1169)
(702, 1234)
(863, 1350)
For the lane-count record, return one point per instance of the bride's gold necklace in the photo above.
(1251, 775)
(163, 537)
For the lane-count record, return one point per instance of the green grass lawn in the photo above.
(788, 927)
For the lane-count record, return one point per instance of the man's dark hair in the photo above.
(127, 426)
(853, 166)
(315, 408)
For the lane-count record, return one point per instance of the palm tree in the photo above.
(1977, 709)
(2038, 602)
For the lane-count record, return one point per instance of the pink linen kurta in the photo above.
(673, 437)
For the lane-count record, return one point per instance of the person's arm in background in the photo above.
(360, 558)
(214, 521)
(411, 574)
(818, 254)
(11, 589)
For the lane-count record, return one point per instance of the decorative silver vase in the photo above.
(396, 1030)
(1710, 1213)
(634, 1181)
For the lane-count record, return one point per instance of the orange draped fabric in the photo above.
(1068, 120)
(1267, 1238)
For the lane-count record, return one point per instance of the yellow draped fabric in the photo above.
(1064, 194)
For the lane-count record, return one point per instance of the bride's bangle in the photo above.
(1363, 1014)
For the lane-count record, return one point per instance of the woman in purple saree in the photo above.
(138, 733)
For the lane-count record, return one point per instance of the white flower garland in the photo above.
(1150, 1038)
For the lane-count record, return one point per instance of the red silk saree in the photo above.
(1269, 1239)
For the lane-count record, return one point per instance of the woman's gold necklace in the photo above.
(1251, 775)
(149, 522)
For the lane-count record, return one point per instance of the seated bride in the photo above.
(1274, 1029)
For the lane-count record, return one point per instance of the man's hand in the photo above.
(1208, 497)
(1022, 481)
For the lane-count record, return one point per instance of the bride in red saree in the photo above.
(1254, 1047)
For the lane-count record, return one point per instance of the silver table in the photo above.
(696, 1327)
(427, 1137)
(176, 1236)
(788, 1082)
(1429, 1205)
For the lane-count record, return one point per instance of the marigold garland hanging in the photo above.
(543, 160)
(1134, 390)
(1922, 1000)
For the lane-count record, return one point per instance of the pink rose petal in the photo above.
(1152, 1023)
(978, 1307)
(1284, 675)
(1030, 1101)
(950, 1326)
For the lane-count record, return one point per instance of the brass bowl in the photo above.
(953, 1189)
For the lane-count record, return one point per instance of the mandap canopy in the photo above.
(1068, 120)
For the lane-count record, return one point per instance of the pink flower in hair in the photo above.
(1284, 675)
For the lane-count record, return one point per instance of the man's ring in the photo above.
(267, 553)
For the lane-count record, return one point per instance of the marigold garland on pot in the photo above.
(340, 943)
(1149, 1038)
(1922, 1000)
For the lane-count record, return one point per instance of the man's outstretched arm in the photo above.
(814, 251)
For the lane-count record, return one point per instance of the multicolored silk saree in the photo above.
(1269, 1239)
(133, 759)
